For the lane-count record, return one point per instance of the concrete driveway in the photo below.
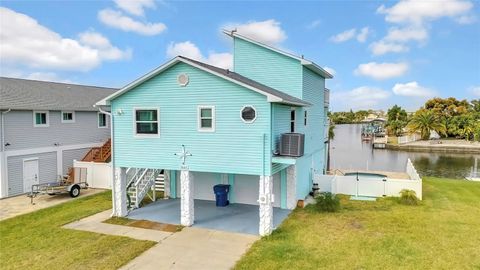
(191, 248)
(18, 205)
(195, 248)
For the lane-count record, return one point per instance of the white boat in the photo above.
(474, 176)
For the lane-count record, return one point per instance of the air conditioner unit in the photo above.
(292, 144)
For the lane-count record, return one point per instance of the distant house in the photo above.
(44, 127)
(262, 128)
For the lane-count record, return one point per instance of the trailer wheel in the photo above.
(75, 191)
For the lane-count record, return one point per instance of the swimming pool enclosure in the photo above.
(363, 184)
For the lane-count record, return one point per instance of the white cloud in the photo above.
(330, 70)
(117, 19)
(383, 47)
(466, 19)
(414, 17)
(35, 75)
(105, 49)
(363, 34)
(406, 34)
(475, 90)
(26, 43)
(187, 49)
(314, 24)
(396, 39)
(412, 89)
(223, 60)
(364, 97)
(190, 50)
(381, 71)
(344, 36)
(135, 7)
(417, 12)
(349, 34)
(268, 32)
(45, 76)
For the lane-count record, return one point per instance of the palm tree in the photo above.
(426, 121)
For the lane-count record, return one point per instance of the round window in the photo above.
(182, 79)
(248, 114)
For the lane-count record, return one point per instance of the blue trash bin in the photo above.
(221, 194)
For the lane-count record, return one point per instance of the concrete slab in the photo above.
(191, 249)
(237, 218)
(18, 205)
(95, 224)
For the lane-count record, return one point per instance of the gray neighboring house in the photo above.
(44, 127)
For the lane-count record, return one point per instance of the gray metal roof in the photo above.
(237, 77)
(21, 94)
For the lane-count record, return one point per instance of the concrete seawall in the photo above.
(438, 148)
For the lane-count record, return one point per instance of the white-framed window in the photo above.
(248, 114)
(146, 122)
(102, 120)
(41, 118)
(292, 120)
(206, 118)
(68, 117)
(305, 118)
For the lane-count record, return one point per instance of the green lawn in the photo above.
(441, 233)
(37, 241)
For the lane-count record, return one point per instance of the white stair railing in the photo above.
(148, 180)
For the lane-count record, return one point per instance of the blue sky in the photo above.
(381, 52)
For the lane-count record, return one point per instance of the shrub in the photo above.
(327, 202)
(408, 197)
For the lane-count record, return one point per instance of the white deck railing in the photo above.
(409, 138)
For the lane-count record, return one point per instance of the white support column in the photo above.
(265, 202)
(120, 196)
(186, 200)
(291, 187)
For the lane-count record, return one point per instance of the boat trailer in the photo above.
(71, 184)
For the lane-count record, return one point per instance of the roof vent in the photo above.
(182, 79)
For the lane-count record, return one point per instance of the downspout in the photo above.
(3, 129)
(3, 187)
(112, 158)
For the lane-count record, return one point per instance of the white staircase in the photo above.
(140, 181)
(160, 182)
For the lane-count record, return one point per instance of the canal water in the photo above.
(349, 152)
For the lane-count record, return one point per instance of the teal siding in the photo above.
(235, 147)
(313, 160)
(303, 170)
(313, 91)
(277, 167)
(281, 123)
(268, 67)
(173, 184)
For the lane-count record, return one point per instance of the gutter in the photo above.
(113, 159)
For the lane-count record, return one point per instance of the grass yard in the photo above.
(441, 233)
(37, 241)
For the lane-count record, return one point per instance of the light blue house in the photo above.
(199, 125)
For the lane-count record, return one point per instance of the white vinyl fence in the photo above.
(409, 138)
(370, 186)
(99, 175)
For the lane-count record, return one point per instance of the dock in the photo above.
(379, 142)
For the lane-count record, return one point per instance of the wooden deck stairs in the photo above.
(95, 154)
(99, 154)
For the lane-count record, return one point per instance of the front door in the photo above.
(30, 174)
